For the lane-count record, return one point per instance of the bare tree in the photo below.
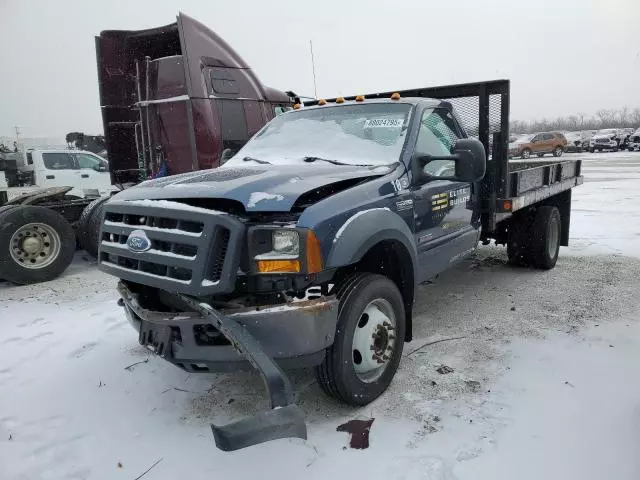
(635, 117)
(623, 114)
(606, 116)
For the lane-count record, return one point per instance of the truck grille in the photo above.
(191, 250)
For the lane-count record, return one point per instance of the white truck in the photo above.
(50, 203)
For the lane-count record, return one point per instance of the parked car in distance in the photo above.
(575, 142)
(634, 141)
(605, 139)
(540, 143)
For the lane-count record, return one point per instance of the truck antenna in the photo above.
(313, 69)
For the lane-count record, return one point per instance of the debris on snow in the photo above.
(359, 431)
(472, 385)
(148, 469)
(444, 369)
(137, 363)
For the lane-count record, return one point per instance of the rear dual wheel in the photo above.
(534, 238)
(36, 244)
(368, 343)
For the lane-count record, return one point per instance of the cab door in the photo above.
(57, 169)
(93, 174)
(443, 226)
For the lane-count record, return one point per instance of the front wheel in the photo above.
(368, 343)
(557, 152)
(36, 244)
(526, 153)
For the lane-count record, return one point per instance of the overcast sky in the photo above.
(562, 56)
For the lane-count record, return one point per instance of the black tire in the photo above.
(337, 375)
(6, 208)
(89, 226)
(526, 153)
(591, 150)
(545, 237)
(558, 151)
(11, 221)
(540, 155)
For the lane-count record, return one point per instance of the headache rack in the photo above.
(483, 110)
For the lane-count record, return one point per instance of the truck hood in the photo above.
(262, 188)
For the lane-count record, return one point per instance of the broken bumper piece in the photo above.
(285, 419)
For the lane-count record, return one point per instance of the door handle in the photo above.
(50, 177)
(85, 175)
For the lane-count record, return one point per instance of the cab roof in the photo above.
(429, 102)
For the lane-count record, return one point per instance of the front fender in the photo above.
(365, 229)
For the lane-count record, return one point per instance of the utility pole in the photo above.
(313, 69)
(17, 142)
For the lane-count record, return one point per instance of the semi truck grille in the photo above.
(184, 249)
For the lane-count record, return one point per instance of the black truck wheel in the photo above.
(526, 153)
(366, 351)
(89, 226)
(534, 240)
(545, 237)
(36, 244)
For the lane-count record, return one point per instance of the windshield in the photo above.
(358, 134)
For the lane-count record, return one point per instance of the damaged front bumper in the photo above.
(289, 335)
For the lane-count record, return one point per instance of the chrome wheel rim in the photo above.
(554, 232)
(374, 340)
(35, 245)
(526, 154)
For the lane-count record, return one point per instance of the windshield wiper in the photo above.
(251, 159)
(333, 162)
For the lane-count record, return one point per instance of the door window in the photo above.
(547, 136)
(89, 161)
(58, 161)
(437, 135)
(233, 124)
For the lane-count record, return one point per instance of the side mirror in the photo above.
(470, 163)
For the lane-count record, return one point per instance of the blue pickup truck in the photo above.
(304, 249)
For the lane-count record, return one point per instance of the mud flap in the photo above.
(284, 420)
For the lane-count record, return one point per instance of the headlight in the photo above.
(286, 242)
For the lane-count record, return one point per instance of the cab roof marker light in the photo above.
(322, 101)
(296, 106)
(340, 100)
(395, 96)
(360, 98)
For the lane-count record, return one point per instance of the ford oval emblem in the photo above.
(138, 241)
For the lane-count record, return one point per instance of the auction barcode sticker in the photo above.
(383, 122)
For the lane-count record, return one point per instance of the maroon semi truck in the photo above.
(177, 98)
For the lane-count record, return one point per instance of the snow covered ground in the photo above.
(544, 382)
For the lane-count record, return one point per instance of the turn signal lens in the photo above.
(506, 205)
(322, 101)
(278, 266)
(296, 106)
(314, 255)
(395, 96)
